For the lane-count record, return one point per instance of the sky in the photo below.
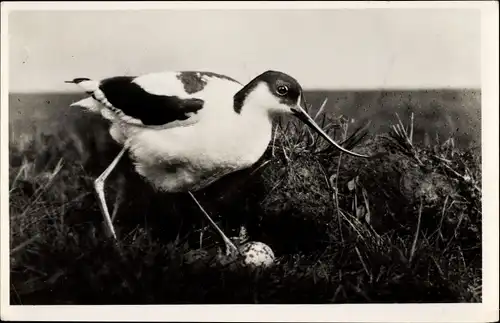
(323, 49)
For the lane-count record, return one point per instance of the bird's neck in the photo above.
(243, 94)
(252, 116)
(256, 116)
(255, 112)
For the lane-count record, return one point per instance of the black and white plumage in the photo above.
(185, 130)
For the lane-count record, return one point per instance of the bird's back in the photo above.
(160, 99)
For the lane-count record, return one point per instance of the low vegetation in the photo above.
(404, 226)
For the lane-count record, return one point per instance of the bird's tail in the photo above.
(97, 99)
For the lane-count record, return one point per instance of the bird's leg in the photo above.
(119, 198)
(99, 188)
(230, 247)
(202, 231)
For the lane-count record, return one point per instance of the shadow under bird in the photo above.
(185, 130)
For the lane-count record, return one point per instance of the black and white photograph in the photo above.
(246, 153)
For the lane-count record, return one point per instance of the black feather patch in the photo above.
(193, 81)
(151, 109)
(77, 80)
(80, 79)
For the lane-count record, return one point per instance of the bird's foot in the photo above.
(231, 249)
(230, 257)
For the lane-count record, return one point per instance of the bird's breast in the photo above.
(192, 157)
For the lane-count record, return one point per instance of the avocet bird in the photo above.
(185, 130)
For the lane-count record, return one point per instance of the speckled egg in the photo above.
(257, 254)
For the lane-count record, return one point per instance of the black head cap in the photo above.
(282, 85)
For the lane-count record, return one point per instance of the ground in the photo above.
(404, 226)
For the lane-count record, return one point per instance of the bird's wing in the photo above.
(155, 99)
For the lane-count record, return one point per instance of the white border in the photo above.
(229, 5)
(483, 312)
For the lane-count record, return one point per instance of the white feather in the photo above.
(89, 86)
(87, 103)
(162, 83)
(90, 104)
(107, 114)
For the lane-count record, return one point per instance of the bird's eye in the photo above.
(282, 89)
